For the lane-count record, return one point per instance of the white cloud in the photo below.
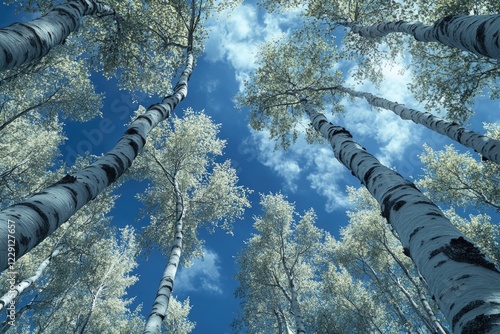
(203, 275)
(236, 38)
(314, 163)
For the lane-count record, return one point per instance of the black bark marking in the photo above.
(483, 158)
(64, 11)
(8, 56)
(434, 214)
(399, 205)
(481, 38)
(368, 175)
(440, 263)
(150, 122)
(135, 147)
(406, 251)
(74, 195)
(461, 250)
(89, 191)
(321, 122)
(67, 179)
(481, 324)
(119, 162)
(415, 231)
(463, 277)
(352, 158)
(24, 240)
(467, 308)
(338, 130)
(131, 131)
(110, 173)
(38, 211)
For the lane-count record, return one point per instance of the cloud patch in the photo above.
(203, 275)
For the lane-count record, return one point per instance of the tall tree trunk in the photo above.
(479, 34)
(37, 217)
(464, 283)
(160, 305)
(23, 285)
(297, 312)
(488, 147)
(23, 42)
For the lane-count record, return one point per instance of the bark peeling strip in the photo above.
(461, 250)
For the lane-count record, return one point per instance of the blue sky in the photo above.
(309, 175)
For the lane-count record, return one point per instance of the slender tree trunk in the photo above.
(479, 34)
(160, 305)
(488, 147)
(23, 285)
(464, 283)
(23, 42)
(34, 219)
(423, 298)
(95, 299)
(297, 312)
(394, 301)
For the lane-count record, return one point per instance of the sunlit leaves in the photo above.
(288, 68)
(460, 179)
(176, 321)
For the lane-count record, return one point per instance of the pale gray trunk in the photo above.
(488, 147)
(23, 285)
(21, 43)
(464, 283)
(160, 305)
(297, 312)
(37, 217)
(479, 34)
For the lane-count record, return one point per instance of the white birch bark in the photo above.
(32, 220)
(488, 147)
(26, 283)
(479, 34)
(160, 305)
(23, 42)
(297, 312)
(464, 283)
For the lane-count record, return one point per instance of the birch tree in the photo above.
(38, 216)
(370, 252)
(59, 85)
(455, 270)
(75, 290)
(457, 76)
(280, 261)
(24, 42)
(189, 190)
